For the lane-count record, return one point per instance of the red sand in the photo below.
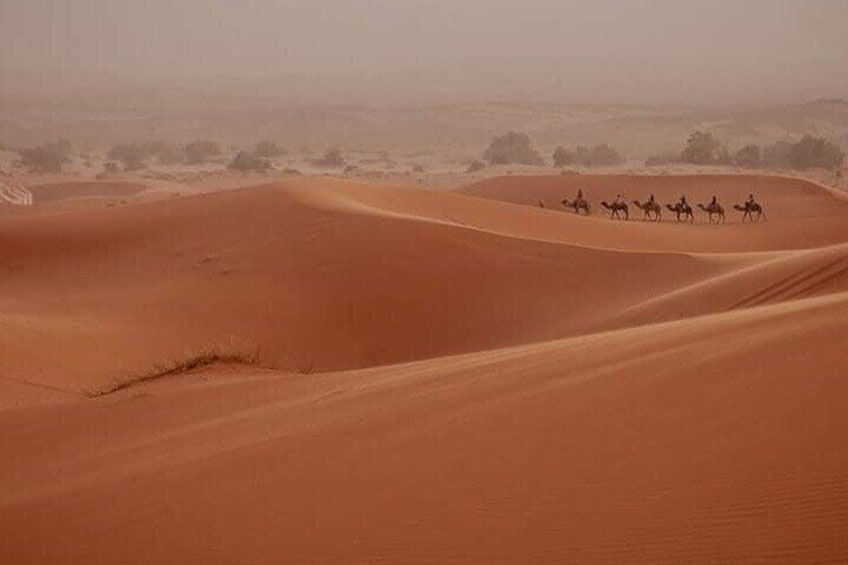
(456, 379)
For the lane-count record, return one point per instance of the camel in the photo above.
(714, 210)
(579, 205)
(615, 208)
(749, 210)
(683, 211)
(650, 208)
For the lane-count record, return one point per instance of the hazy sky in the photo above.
(570, 51)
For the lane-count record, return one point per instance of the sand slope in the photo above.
(442, 378)
(802, 214)
(702, 441)
(304, 274)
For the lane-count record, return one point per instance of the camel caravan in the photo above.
(652, 211)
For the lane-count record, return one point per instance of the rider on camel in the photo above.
(750, 202)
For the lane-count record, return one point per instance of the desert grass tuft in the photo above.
(187, 364)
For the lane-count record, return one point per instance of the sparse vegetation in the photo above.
(203, 359)
(702, 148)
(130, 155)
(562, 157)
(331, 159)
(512, 148)
(200, 151)
(598, 156)
(776, 155)
(815, 152)
(660, 159)
(602, 155)
(268, 149)
(135, 156)
(809, 152)
(165, 153)
(475, 166)
(47, 158)
(749, 156)
(246, 161)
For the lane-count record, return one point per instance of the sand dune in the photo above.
(700, 441)
(262, 269)
(441, 378)
(802, 214)
(778, 277)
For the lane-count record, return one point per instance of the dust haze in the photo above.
(421, 76)
(412, 52)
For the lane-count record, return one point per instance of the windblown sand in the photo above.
(434, 376)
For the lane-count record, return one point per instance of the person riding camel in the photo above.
(651, 200)
(580, 194)
(683, 203)
(619, 201)
(750, 202)
(714, 201)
